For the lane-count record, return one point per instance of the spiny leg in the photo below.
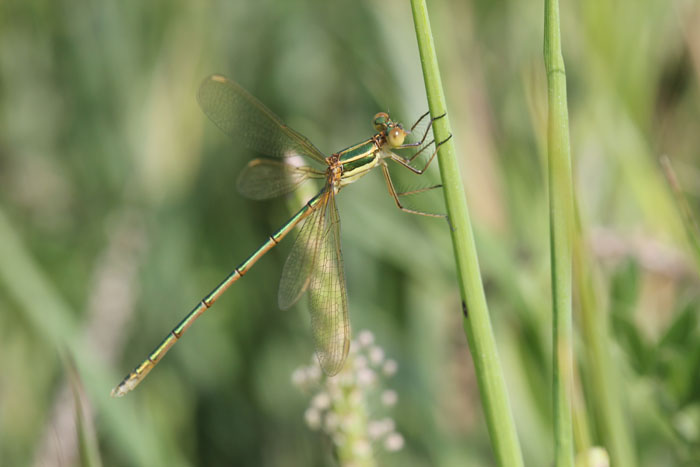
(425, 133)
(419, 120)
(406, 162)
(418, 153)
(395, 195)
(419, 190)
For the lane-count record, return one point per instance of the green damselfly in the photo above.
(315, 263)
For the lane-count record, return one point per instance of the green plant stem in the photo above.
(477, 325)
(604, 381)
(561, 229)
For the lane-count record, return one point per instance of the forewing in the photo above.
(267, 178)
(328, 301)
(297, 269)
(246, 119)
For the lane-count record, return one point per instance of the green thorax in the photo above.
(358, 160)
(357, 151)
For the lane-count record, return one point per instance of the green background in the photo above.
(118, 212)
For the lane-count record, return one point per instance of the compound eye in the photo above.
(395, 137)
(380, 121)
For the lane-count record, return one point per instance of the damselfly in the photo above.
(315, 262)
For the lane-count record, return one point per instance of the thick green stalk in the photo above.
(561, 230)
(477, 325)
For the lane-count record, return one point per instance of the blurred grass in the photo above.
(689, 220)
(122, 198)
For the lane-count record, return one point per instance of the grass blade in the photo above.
(689, 222)
(604, 380)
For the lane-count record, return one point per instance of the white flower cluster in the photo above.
(342, 405)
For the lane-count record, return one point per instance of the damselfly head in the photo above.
(395, 134)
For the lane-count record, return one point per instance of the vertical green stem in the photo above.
(604, 381)
(477, 325)
(561, 229)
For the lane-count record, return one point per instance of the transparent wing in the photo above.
(297, 269)
(328, 301)
(315, 264)
(246, 119)
(267, 178)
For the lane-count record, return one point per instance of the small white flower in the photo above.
(321, 401)
(313, 418)
(313, 373)
(365, 338)
(390, 367)
(376, 429)
(366, 377)
(360, 362)
(389, 424)
(376, 355)
(389, 397)
(393, 442)
(335, 393)
(340, 403)
(299, 377)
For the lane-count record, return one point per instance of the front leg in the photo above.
(407, 162)
(425, 133)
